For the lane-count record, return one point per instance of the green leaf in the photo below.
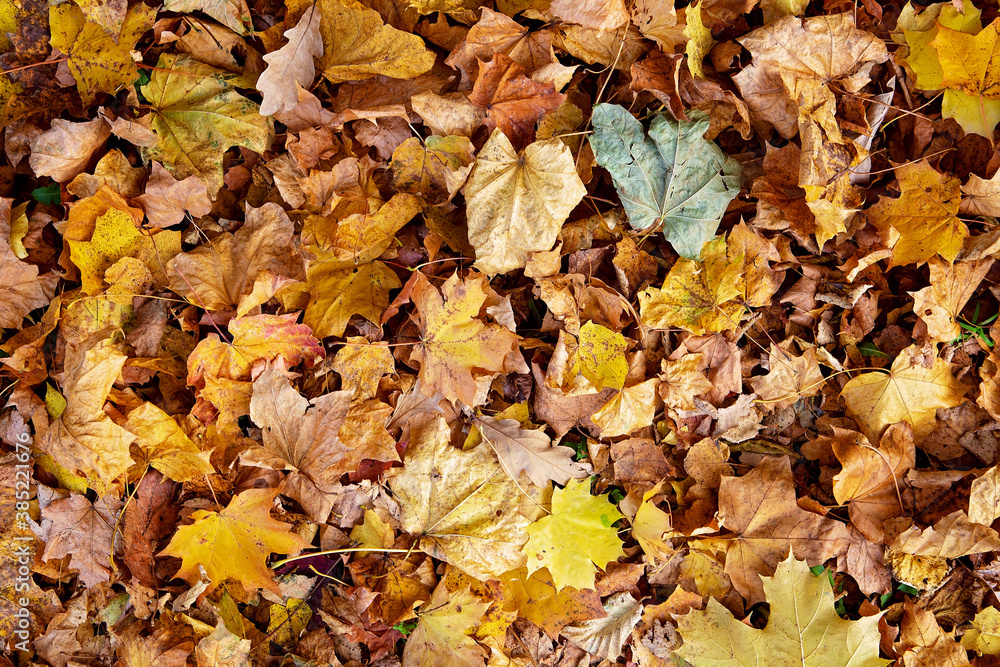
(673, 175)
(47, 195)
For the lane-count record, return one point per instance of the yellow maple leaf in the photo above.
(435, 167)
(600, 356)
(923, 220)
(455, 345)
(912, 391)
(629, 410)
(116, 236)
(165, 446)
(576, 538)
(234, 543)
(969, 74)
(441, 637)
(357, 45)
(951, 286)
(699, 297)
(803, 629)
(100, 62)
(337, 294)
(362, 364)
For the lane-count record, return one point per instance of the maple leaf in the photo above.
(151, 516)
(464, 508)
(576, 538)
(222, 648)
(870, 478)
(454, 344)
(924, 215)
(115, 237)
(968, 71)
(99, 60)
(441, 636)
(260, 337)
(21, 288)
(435, 167)
(291, 66)
(629, 410)
(940, 304)
(357, 45)
(984, 497)
(538, 600)
(529, 451)
(84, 438)
(517, 203)
(166, 447)
(337, 294)
(672, 177)
(790, 378)
(65, 149)
(234, 543)
(760, 508)
(361, 365)
(197, 115)
(912, 391)
(167, 200)
(219, 276)
(82, 530)
(512, 101)
(600, 356)
(803, 629)
(699, 297)
(984, 636)
(299, 435)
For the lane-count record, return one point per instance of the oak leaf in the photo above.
(576, 538)
(166, 200)
(291, 66)
(912, 391)
(219, 276)
(455, 346)
(803, 629)
(464, 508)
(529, 451)
(234, 543)
(357, 45)
(198, 115)
(760, 508)
(517, 203)
(672, 177)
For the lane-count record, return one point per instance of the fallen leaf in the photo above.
(529, 451)
(234, 14)
(234, 543)
(628, 411)
(790, 378)
(455, 345)
(291, 66)
(63, 151)
(165, 446)
(513, 102)
(912, 391)
(803, 628)
(760, 508)
(940, 304)
(464, 508)
(984, 497)
(604, 637)
(166, 200)
(576, 537)
(434, 168)
(441, 636)
(223, 649)
(984, 636)
(517, 202)
(672, 177)
(84, 531)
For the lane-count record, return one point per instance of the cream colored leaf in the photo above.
(517, 203)
(604, 637)
(65, 149)
(984, 497)
(166, 199)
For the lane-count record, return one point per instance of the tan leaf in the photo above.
(83, 530)
(166, 199)
(790, 378)
(984, 497)
(912, 391)
(291, 66)
(604, 637)
(953, 536)
(529, 451)
(435, 167)
(631, 409)
(361, 365)
(760, 508)
(951, 286)
(65, 149)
